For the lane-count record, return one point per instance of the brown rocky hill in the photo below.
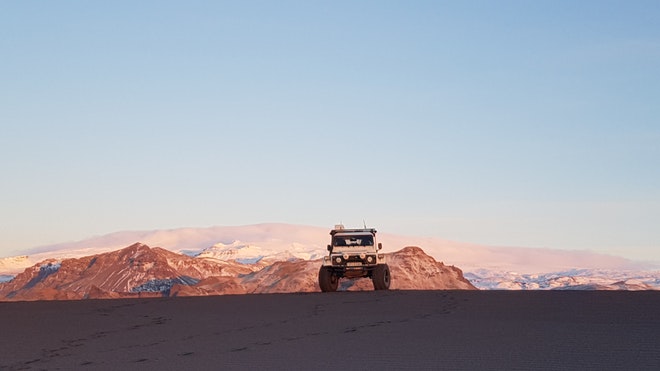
(411, 269)
(138, 271)
(134, 269)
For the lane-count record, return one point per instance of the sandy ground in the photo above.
(450, 330)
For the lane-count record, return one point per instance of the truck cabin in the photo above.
(355, 238)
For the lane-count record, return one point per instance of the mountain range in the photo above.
(248, 249)
(141, 271)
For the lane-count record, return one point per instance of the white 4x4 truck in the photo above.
(354, 253)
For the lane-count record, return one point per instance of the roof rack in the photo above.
(368, 230)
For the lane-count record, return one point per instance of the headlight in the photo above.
(370, 259)
(338, 260)
(345, 256)
(362, 256)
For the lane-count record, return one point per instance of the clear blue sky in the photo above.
(518, 123)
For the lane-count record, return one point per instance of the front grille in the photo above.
(353, 260)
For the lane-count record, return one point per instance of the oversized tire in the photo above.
(381, 277)
(328, 280)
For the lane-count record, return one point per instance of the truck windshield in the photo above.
(365, 240)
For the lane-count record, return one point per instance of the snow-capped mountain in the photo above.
(489, 267)
(574, 279)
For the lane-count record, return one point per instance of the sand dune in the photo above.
(455, 330)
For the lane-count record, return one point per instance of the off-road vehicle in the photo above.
(353, 253)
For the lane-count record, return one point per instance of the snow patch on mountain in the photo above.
(163, 285)
(51, 266)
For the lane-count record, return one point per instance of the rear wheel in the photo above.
(381, 277)
(328, 280)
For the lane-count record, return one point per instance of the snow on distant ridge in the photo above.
(574, 279)
(252, 254)
(14, 265)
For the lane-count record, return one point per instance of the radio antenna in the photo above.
(364, 223)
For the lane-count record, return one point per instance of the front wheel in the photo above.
(328, 280)
(381, 277)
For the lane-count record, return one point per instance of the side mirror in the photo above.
(329, 247)
(380, 246)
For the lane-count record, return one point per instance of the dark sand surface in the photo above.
(450, 330)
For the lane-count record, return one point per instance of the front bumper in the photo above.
(353, 261)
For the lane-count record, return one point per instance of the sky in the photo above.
(509, 123)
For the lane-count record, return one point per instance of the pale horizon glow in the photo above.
(530, 124)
